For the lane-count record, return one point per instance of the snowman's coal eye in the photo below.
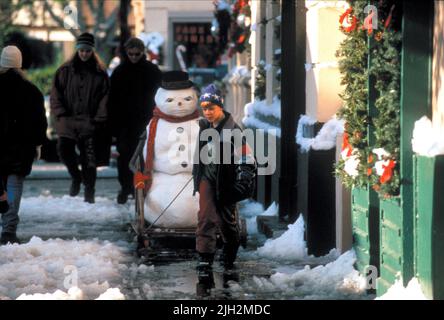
(169, 100)
(189, 98)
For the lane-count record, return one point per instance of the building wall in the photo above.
(323, 77)
(159, 15)
(438, 66)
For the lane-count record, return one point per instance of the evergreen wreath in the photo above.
(361, 164)
(352, 168)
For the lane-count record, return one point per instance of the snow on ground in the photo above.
(399, 292)
(289, 246)
(68, 217)
(40, 267)
(334, 276)
(48, 267)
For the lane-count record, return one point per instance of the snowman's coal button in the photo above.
(179, 130)
(184, 164)
(182, 147)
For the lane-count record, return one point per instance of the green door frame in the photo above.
(397, 215)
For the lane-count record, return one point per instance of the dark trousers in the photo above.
(126, 146)
(213, 218)
(67, 152)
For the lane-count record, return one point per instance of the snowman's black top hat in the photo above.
(176, 80)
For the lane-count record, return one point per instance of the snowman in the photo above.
(169, 149)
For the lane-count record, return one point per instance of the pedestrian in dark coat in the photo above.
(4, 206)
(220, 183)
(79, 105)
(133, 86)
(22, 132)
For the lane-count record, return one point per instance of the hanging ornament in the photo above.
(241, 20)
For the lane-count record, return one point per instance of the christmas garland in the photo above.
(386, 68)
(232, 25)
(361, 164)
(352, 168)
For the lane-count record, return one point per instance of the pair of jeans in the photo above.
(10, 219)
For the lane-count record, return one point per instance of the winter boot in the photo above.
(89, 194)
(122, 196)
(204, 265)
(228, 255)
(204, 285)
(74, 190)
(9, 237)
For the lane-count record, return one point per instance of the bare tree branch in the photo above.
(81, 18)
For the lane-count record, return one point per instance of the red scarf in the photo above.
(144, 180)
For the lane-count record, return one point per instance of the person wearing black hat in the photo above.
(79, 105)
(220, 184)
(133, 86)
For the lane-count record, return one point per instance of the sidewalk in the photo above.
(42, 170)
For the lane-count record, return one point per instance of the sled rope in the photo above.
(172, 201)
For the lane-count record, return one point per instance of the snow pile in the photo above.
(427, 140)
(73, 293)
(111, 294)
(289, 246)
(326, 137)
(335, 280)
(251, 209)
(41, 267)
(398, 292)
(261, 107)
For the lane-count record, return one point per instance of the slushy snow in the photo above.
(56, 265)
(48, 267)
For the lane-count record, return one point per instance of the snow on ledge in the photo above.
(326, 137)
(427, 140)
(261, 107)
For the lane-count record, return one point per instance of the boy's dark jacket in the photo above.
(234, 181)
